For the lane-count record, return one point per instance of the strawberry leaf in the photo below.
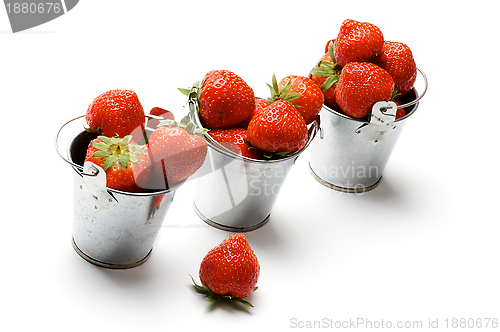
(167, 123)
(88, 130)
(331, 51)
(100, 146)
(101, 154)
(184, 91)
(132, 158)
(105, 139)
(292, 96)
(214, 297)
(123, 159)
(395, 93)
(267, 155)
(329, 82)
(245, 302)
(285, 89)
(273, 94)
(190, 128)
(275, 84)
(115, 140)
(321, 72)
(283, 94)
(136, 148)
(126, 139)
(198, 288)
(326, 64)
(201, 131)
(110, 161)
(185, 121)
(248, 144)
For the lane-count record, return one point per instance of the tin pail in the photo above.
(238, 193)
(350, 155)
(111, 228)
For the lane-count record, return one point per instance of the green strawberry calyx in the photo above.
(116, 149)
(194, 92)
(185, 124)
(283, 94)
(328, 69)
(214, 297)
(269, 155)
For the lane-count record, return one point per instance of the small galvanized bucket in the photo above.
(349, 155)
(111, 228)
(237, 193)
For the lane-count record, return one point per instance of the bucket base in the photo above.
(109, 265)
(343, 189)
(230, 228)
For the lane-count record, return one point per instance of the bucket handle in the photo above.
(68, 131)
(313, 129)
(383, 117)
(93, 187)
(413, 102)
(56, 143)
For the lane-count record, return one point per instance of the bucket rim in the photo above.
(79, 168)
(312, 129)
(414, 103)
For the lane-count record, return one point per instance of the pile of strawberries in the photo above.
(170, 154)
(254, 127)
(360, 68)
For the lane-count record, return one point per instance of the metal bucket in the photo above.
(237, 193)
(350, 154)
(111, 228)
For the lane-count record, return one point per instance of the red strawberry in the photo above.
(127, 165)
(260, 104)
(279, 128)
(177, 150)
(357, 41)
(328, 44)
(401, 111)
(153, 123)
(301, 92)
(230, 270)
(225, 99)
(310, 101)
(234, 139)
(115, 113)
(326, 75)
(397, 59)
(360, 86)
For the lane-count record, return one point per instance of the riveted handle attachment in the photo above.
(93, 187)
(381, 122)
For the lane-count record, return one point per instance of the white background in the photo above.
(423, 245)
